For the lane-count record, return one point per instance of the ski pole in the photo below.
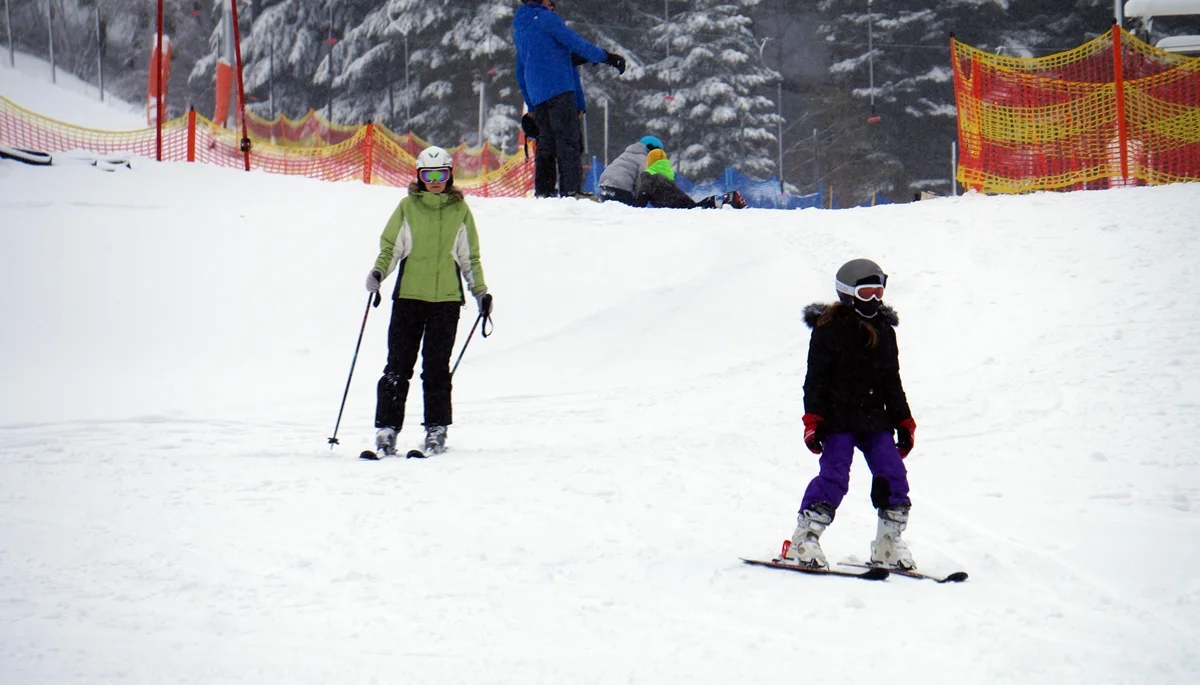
(486, 319)
(333, 441)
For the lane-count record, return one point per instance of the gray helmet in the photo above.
(854, 273)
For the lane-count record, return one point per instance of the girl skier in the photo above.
(431, 242)
(853, 397)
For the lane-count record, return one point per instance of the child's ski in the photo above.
(956, 577)
(869, 574)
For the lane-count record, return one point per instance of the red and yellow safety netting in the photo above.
(310, 147)
(1114, 111)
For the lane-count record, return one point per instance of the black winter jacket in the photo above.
(854, 387)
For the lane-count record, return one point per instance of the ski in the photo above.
(873, 573)
(368, 454)
(415, 454)
(956, 577)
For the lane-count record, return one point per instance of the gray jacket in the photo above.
(622, 174)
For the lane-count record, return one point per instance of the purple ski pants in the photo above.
(890, 487)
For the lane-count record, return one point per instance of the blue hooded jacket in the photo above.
(544, 48)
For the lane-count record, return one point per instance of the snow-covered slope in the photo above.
(176, 341)
(69, 100)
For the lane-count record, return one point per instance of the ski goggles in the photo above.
(869, 292)
(864, 292)
(437, 175)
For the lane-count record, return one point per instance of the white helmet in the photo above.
(434, 157)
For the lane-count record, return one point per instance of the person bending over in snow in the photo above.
(656, 187)
(619, 179)
(430, 241)
(853, 397)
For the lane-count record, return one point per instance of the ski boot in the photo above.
(806, 541)
(734, 199)
(888, 549)
(385, 442)
(435, 440)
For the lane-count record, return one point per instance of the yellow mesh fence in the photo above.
(1114, 111)
(310, 146)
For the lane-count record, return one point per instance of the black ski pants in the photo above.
(412, 321)
(559, 147)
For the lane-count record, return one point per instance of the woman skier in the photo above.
(430, 241)
(853, 397)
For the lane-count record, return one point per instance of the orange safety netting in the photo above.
(309, 147)
(1114, 111)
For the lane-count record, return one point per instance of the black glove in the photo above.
(577, 61)
(615, 61)
(529, 125)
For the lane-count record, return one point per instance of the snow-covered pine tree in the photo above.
(618, 26)
(904, 79)
(707, 94)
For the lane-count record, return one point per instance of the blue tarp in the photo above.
(761, 194)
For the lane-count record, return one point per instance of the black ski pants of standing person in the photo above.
(412, 321)
(559, 146)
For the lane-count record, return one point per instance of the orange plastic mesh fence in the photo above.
(1060, 122)
(308, 147)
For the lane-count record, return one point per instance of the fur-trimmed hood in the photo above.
(814, 311)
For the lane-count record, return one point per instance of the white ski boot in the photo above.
(806, 541)
(435, 440)
(385, 442)
(888, 549)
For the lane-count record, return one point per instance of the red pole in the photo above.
(368, 152)
(191, 135)
(237, 48)
(158, 100)
(1119, 82)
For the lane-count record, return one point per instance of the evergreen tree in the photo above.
(892, 55)
(705, 91)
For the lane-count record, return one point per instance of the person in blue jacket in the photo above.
(549, 83)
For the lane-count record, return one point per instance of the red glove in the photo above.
(905, 436)
(814, 435)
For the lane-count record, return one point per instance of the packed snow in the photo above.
(177, 338)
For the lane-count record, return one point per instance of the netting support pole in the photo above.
(957, 121)
(161, 88)
(1119, 83)
(953, 168)
(191, 134)
(368, 152)
(237, 51)
(12, 50)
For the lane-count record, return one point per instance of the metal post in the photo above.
(407, 95)
(871, 53)
(271, 81)
(779, 135)
(1118, 14)
(605, 131)
(99, 54)
(667, 31)
(329, 40)
(50, 24)
(481, 83)
(816, 162)
(953, 168)
(12, 52)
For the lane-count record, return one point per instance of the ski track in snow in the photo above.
(170, 510)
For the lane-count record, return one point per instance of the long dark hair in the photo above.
(452, 190)
(837, 308)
